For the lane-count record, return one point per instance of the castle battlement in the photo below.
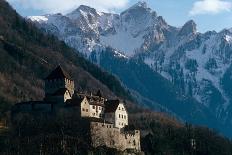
(105, 134)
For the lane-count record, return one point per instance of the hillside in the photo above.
(27, 56)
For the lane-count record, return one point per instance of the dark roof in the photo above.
(111, 106)
(58, 73)
(74, 101)
(99, 93)
(95, 100)
(60, 92)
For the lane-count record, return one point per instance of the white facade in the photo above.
(121, 116)
(85, 112)
(91, 110)
(96, 111)
(67, 96)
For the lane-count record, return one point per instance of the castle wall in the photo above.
(51, 86)
(106, 134)
(110, 117)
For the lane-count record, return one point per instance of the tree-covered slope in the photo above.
(27, 56)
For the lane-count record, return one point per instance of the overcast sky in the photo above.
(208, 14)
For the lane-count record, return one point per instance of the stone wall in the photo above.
(51, 86)
(105, 134)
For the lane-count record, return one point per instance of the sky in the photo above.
(208, 14)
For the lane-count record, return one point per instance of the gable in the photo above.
(121, 107)
(58, 73)
(84, 102)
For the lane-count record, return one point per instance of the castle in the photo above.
(110, 117)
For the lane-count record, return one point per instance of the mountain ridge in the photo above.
(193, 62)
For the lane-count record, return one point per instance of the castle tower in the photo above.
(58, 81)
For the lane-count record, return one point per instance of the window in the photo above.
(119, 108)
(93, 114)
(99, 108)
(87, 110)
(119, 115)
(125, 117)
(93, 107)
(83, 109)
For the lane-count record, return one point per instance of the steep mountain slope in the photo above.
(197, 64)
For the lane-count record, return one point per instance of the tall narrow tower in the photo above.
(57, 81)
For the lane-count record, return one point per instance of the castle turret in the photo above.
(59, 84)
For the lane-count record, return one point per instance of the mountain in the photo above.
(197, 64)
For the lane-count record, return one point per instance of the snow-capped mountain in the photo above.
(198, 64)
(87, 29)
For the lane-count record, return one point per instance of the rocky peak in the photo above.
(138, 9)
(141, 4)
(87, 9)
(82, 10)
(189, 28)
(138, 17)
(162, 22)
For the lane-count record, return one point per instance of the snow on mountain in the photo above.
(38, 18)
(194, 62)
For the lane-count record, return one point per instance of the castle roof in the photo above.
(58, 73)
(60, 92)
(76, 101)
(111, 106)
(99, 93)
